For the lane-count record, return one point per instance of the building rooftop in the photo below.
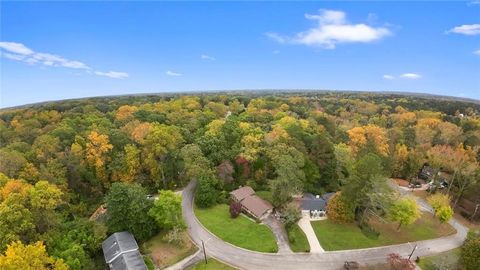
(132, 260)
(256, 205)
(118, 243)
(242, 193)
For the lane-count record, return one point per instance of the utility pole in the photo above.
(204, 253)
(412, 252)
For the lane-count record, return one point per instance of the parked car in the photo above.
(350, 265)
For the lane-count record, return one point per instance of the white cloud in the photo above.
(19, 52)
(388, 77)
(171, 73)
(474, 2)
(207, 57)
(477, 52)
(113, 74)
(412, 76)
(16, 48)
(276, 52)
(466, 29)
(332, 29)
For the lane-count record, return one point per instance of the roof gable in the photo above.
(117, 244)
(256, 206)
(242, 193)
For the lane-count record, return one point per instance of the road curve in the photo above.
(246, 259)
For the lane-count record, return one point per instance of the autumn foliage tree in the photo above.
(369, 136)
(98, 147)
(441, 206)
(338, 210)
(33, 256)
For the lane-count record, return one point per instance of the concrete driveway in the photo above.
(247, 259)
(306, 226)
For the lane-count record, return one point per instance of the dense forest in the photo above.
(59, 161)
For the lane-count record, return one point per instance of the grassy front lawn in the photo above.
(240, 231)
(444, 260)
(297, 239)
(334, 236)
(163, 253)
(211, 265)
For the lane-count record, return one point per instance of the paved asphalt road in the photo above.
(246, 259)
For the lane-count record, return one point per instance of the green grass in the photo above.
(444, 260)
(149, 263)
(211, 265)
(265, 194)
(163, 254)
(334, 236)
(297, 239)
(240, 231)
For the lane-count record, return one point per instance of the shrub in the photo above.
(235, 209)
(396, 262)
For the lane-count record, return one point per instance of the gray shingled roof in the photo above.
(118, 243)
(313, 204)
(132, 260)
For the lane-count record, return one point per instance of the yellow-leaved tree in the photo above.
(29, 257)
(368, 136)
(98, 147)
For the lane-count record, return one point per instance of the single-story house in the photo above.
(121, 252)
(315, 206)
(251, 203)
(241, 193)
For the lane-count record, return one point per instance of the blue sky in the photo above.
(57, 50)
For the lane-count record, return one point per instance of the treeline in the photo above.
(59, 159)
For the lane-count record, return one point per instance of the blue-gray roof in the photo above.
(313, 204)
(118, 243)
(132, 260)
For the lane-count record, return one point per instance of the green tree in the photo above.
(16, 221)
(207, 191)
(159, 144)
(405, 211)
(195, 163)
(167, 210)
(367, 189)
(128, 208)
(11, 162)
(290, 215)
(470, 251)
(288, 163)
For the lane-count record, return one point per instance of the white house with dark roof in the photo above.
(121, 252)
(315, 206)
